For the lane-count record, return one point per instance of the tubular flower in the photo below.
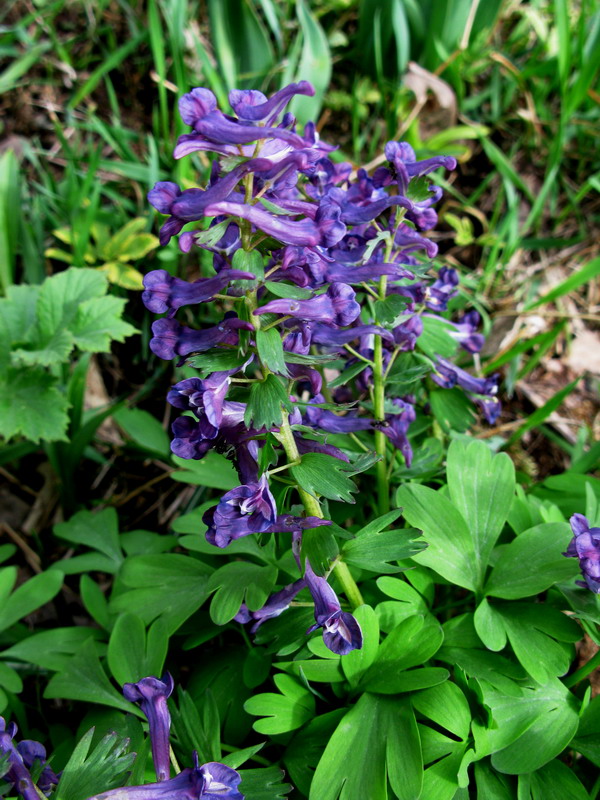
(163, 292)
(337, 306)
(240, 512)
(151, 695)
(17, 774)
(212, 781)
(341, 632)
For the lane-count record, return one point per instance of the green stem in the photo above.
(583, 672)
(383, 492)
(313, 508)
(176, 766)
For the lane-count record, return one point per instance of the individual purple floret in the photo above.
(31, 751)
(585, 545)
(326, 229)
(171, 339)
(444, 288)
(449, 375)
(465, 332)
(396, 428)
(163, 292)
(275, 605)
(333, 423)
(337, 306)
(240, 512)
(151, 695)
(212, 781)
(17, 774)
(341, 632)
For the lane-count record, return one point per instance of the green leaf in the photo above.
(532, 631)
(216, 360)
(376, 739)
(450, 551)
(145, 430)
(556, 781)
(447, 706)
(347, 375)
(237, 582)
(542, 546)
(10, 679)
(127, 648)
(270, 351)
(124, 275)
(321, 474)
(490, 626)
(265, 403)
(263, 784)
(87, 774)
(62, 294)
(530, 728)
(288, 290)
(436, 339)
(481, 488)
(452, 409)
(287, 711)
(407, 370)
(32, 594)
(387, 311)
(51, 650)
(248, 261)
(31, 405)
(84, 679)
(98, 322)
(412, 643)
(587, 740)
(376, 551)
(213, 471)
(168, 585)
(99, 531)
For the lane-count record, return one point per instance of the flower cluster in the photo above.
(20, 758)
(312, 263)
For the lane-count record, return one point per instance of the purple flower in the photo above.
(199, 110)
(189, 205)
(166, 293)
(396, 428)
(341, 632)
(171, 339)
(253, 106)
(151, 695)
(585, 545)
(337, 306)
(331, 337)
(444, 288)
(31, 751)
(205, 398)
(212, 781)
(326, 228)
(193, 439)
(333, 423)
(448, 375)
(465, 332)
(490, 406)
(241, 511)
(407, 333)
(275, 605)
(17, 773)
(405, 164)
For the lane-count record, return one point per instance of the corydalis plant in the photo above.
(314, 264)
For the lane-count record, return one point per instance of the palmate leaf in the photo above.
(238, 581)
(375, 741)
(320, 474)
(88, 774)
(264, 784)
(293, 707)
(31, 405)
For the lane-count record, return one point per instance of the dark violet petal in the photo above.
(151, 695)
(343, 634)
(196, 105)
(331, 337)
(163, 195)
(254, 106)
(579, 524)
